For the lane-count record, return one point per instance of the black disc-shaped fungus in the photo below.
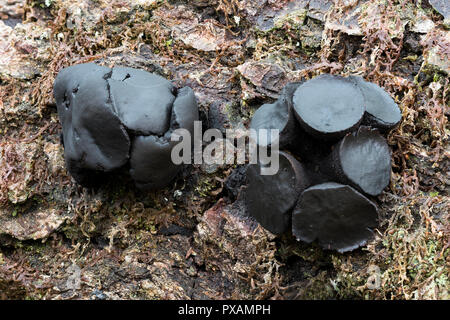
(361, 159)
(114, 116)
(270, 198)
(342, 154)
(337, 216)
(381, 110)
(278, 115)
(142, 100)
(328, 106)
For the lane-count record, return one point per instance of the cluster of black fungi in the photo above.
(332, 124)
(121, 117)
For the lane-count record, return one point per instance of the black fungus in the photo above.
(120, 116)
(361, 159)
(270, 198)
(328, 106)
(150, 165)
(94, 137)
(143, 101)
(278, 115)
(381, 110)
(309, 148)
(344, 159)
(336, 215)
(235, 181)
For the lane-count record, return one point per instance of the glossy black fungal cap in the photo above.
(270, 198)
(278, 115)
(308, 148)
(363, 160)
(328, 106)
(381, 110)
(111, 115)
(337, 216)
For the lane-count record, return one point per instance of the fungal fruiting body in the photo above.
(381, 110)
(270, 198)
(344, 160)
(113, 117)
(329, 107)
(278, 115)
(337, 216)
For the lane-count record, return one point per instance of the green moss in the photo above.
(319, 288)
(206, 184)
(295, 19)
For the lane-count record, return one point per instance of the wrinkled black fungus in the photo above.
(143, 101)
(342, 154)
(112, 117)
(309, 148)
(270, 198)
(336, 215)
(151, 166)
